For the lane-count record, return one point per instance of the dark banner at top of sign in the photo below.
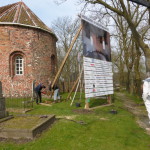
(94, 23)
(96, 41)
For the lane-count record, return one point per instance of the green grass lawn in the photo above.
(102, 131)
(135, 98)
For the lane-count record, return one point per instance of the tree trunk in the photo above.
(137, 76)
(121, 73)
(139, 41)
(128, 81)
(147, 60)
(131, 86)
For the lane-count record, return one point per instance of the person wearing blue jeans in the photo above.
(56, 93)
(55, 88)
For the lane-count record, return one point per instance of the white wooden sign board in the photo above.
(98, 77)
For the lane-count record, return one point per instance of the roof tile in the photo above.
(21, 14)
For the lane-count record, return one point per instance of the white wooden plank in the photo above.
(97, 73)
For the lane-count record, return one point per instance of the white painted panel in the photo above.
(98, 77)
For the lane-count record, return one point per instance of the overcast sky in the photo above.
(48, 10)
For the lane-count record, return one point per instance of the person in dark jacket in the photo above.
(38, 90)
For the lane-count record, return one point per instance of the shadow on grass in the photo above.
(97, 102)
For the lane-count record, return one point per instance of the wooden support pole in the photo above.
(67, 54)
(75, 93)
(87, 103)
(109, 99)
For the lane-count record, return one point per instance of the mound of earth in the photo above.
(82, 111)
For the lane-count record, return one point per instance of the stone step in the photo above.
(3, 114)
(25, 133)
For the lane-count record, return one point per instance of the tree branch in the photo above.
(106, 5)
(141, 17)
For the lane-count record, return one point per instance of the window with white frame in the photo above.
(19, 65)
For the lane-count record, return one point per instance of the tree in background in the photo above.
(131, 53)
(123, 8)
(131, 33)
(65, 29)
(127, 53)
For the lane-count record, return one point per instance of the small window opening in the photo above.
(19, 65)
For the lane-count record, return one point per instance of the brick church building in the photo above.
(27, 50)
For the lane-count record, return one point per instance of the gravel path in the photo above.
(137, 110)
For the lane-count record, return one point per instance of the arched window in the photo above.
(53, 64)
(19, 65)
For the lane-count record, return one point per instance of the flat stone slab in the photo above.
(100, 106)
(44, 104)
(6, 118)
(25, 126)
(19, 110)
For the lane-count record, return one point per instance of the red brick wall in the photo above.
(37, 47)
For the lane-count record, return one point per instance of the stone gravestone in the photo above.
(3, 112)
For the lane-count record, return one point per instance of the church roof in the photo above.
(18, 13)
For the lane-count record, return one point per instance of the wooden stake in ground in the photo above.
(109, 99)
(64, 61)
(87, 103)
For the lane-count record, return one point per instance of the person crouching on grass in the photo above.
(38, 91)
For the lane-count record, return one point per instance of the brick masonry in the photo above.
(38, 49)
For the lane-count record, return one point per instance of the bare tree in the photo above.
(65, 29)
(132, 35)
(130, 51)
(123, 8)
